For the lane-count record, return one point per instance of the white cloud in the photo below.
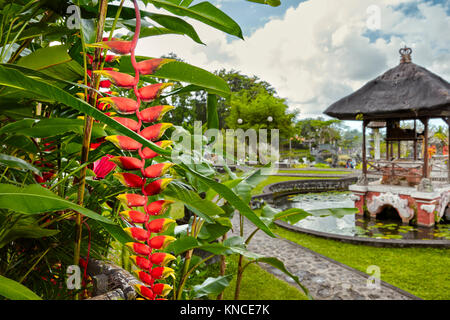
(319, 52)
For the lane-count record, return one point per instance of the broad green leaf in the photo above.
(183, 244)
(26, 231)
(17, 163)
(211, 112)
(272, 3)
(35, 199)
(15, 291)
(212, 286)
(211, 193)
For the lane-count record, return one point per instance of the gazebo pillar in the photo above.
(425, 148)
(364, 153)
(376, 133)
(447, 120)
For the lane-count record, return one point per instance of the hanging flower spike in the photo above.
(132, 200)
(129, 123)
(156, 170)
(161, 289)
(141, 262)
(158, 207)
(150, 66)
(153, 91)
(130, 180)
(144, 291)
(119, 79)
(121, 104)
(155, 131)
(156, 186)
(103, 167)
(105, 84)
(161, 258)
(148, 153)
(128, 163)
(134, 216)
(117, 46)
(125, 143)
(162, 272)
(138, 234)
(159, 225)
(154, 114)
(160, 242)
(144, 277)
(139, 248)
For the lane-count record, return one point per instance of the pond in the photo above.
(352, 225)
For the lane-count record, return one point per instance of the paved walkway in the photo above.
(325, 278)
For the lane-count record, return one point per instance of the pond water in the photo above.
(351, 225)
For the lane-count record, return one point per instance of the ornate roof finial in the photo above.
(405, 54)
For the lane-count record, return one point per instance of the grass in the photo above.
(273, 179)
(313, 172)
(420, 271)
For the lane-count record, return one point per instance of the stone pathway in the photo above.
(325, 278)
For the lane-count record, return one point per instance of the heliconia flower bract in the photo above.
(105, 84)
(129, 123)
(139, 248)
(141, 262)
(119, 79)
(138, 233)
(150, 66)
(125, 143)
(130, 180)
(161, 289)
(158, 207)
(155, 113)
(103, 166)
(151, 92)
(160, 242)
(122, 104)
(156, 170)
(155, 131)
(144, 277)
(135, 216)
(159, 225)
(132, 200)
(128, 163)
(116, 46)
(161, 258)
(146, 292)
(148, 153)
(161, 272)
(156, 186)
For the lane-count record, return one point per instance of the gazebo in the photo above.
(417, 184)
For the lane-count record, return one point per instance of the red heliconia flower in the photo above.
(132, 200)
(151, 92)
(116, 46)
(156, 170)
(119, 79)
(156, 186)
(155, 131)
(159, 225)
(135, 216)
(151, 65)
(144, 291)
(141, 262)
(103, 166)
(124, 143)
(158, 207)
(161, 289)
(128, 163)
(160, 242)
(130, 180)
(161, 258)
(139, 248)
(162, 272)
(145, 277)
(148, 153)
(45, 176)
(95, 145)
(155, 113)
(129, 123)
(138, 233)
(123, 105)
(105, 84)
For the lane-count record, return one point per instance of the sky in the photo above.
(314, 52)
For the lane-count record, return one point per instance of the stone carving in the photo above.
(445, 200)
(362, 181)
(425, 185)
(429, 208)
(355, 197)
(401, 205)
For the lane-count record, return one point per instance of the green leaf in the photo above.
(183, 244)
(17, 163)
(211, 112)
(272, 3)
(35, 199)
(212, 286)
(15, 291)
(26, 231)
(204, 12)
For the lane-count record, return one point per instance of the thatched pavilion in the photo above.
(416, 185)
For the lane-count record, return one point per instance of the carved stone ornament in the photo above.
(425, 185)
(389, 199)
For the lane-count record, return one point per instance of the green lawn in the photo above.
(273, 179)
(423, 272)
(313, 172)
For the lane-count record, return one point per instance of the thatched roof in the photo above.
(407, 91)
